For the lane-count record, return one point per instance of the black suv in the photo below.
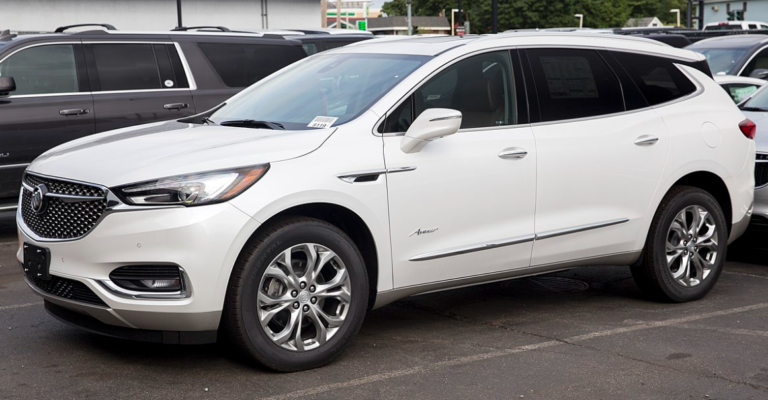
(61, 86)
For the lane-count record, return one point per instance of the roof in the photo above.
(731, 41)
(633, 22)
(729, 79)
(384, 23)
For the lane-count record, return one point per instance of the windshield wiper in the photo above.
(744, 108)
(208, 121)
(252, 123)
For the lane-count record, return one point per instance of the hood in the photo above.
(760, 118)
(172, 148)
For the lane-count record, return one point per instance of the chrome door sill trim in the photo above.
(473, 248)
(582, 228)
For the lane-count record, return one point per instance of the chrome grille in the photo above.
(761, 170)
(62, 219)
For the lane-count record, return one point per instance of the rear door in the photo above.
(136, 83)
(51, 105)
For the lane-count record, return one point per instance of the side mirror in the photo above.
(432, 124)
(7, 85)
(760, 73)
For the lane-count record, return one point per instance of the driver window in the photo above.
(46, 69)
(480, 87)
(760, 61)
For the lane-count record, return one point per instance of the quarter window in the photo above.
(241, 65)
(481, 87)
(574, 84)
(657, 78)
(43, 70)
(126, 66)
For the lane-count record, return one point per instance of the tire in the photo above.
(260, 276)
(667, 281)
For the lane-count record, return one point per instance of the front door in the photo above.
(50, 106)
(464, 205)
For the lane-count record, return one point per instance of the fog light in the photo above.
(168, 284)
(148, 278)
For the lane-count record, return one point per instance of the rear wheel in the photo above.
(297, 296)
(685, 249)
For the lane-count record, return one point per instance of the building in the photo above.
(399, 25)
(160, 15)
(649, 22)
(351, 12)
(717, 10)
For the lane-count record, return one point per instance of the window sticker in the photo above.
(569, 78)
(322, 122)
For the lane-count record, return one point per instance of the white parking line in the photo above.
(15, 306)
(733, 331)
(506, 352)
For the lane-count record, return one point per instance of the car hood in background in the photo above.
(172, 148)
(760, 118)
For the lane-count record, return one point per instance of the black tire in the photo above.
(652, 274)
(240, 325)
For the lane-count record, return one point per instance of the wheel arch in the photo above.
(712, 184)
(350, 223)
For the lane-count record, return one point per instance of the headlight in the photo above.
(194, 189)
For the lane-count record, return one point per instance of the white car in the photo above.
(739, 88)
(735, 25)
(363, 175)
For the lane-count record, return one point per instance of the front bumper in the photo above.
(204, 241)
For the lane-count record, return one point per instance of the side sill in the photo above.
(390, 296)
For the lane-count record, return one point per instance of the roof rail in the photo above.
(64, 28)
(187, 28)
(310, 31)
(6, 35)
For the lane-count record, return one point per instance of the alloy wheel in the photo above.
(691, 246)
(304, 297)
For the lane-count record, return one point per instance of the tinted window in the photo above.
(658, 78)
(574, 84)
(42, 70)
(722, 61)
(241, 65)
(126, 66)
(740, 92)
(759, 61)
(309, 48)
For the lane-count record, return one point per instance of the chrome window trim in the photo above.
(743, 67)
(14, 166)
(114, 205)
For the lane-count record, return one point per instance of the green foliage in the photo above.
(522, 14)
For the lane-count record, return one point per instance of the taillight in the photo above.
(748, 128)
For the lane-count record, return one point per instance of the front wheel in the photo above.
(685, 249)
(297, 296)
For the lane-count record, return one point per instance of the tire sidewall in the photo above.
(672, 289)
(260, 344)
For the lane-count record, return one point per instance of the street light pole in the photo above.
(581, 19)
(676, 11)
(461, 21)
(495, 19)
(410, 22)
(178, 13)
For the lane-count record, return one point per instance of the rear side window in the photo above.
(126, 66)
(657, 78)
(241, 65)
(42, 70)
(574, 84)
(740, 92)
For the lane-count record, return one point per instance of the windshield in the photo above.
(759, 101)
(326, 90)
(722, 61)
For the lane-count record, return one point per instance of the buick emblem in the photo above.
(38, 198)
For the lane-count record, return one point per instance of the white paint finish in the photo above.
(473, 196)
(591, 171)
(46, 15)
(711, 134)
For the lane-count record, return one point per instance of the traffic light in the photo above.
(739, 15)
(731, 15)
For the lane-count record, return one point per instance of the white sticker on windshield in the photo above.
(322, 122)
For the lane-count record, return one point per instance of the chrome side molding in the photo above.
(581, 228)
(473, 248)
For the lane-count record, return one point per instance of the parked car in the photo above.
(739, 87)
(756, 108)
(68, 85)
(741, 55)
(369, 173)
(735, 25)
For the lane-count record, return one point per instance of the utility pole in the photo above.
(410, 20)
(581, 19)
(461, 20)
(676, 11)
(338, 14)
(495, 18)
(178, 13)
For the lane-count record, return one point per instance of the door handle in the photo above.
(513, 153)
(646, 140)
(74, 111)
(175, 106)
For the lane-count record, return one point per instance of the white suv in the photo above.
(363, 175)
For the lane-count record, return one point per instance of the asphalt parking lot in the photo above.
(585, 333)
